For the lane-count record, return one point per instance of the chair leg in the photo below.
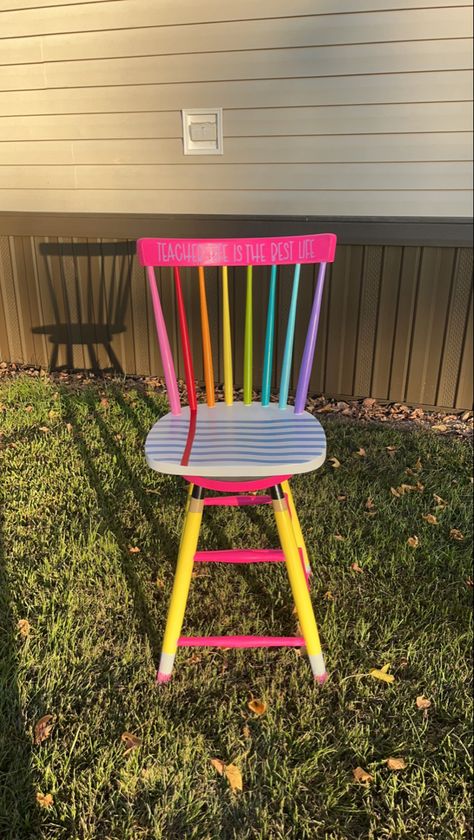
(298, 585)
(296, 526)
(182, 581)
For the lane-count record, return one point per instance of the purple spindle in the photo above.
(310, 344)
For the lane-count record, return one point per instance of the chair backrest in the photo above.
(274, 252)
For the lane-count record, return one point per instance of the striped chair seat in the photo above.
(235, 441)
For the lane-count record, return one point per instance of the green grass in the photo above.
(75, 498)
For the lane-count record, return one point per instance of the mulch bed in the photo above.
(367, 410)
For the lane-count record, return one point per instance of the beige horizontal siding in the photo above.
(452, 175)
(363, 148)
(439, 203)
(62, 17)
(343, 60)
(364, 105)
(309, 31)
(268, 93)
(370, 121)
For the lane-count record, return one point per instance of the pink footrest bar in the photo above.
(241, 555)
(237, 501)
(240, 641)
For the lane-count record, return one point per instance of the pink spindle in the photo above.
(163, 341)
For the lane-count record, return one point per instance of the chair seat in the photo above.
(234, 441)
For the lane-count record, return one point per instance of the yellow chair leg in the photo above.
(304, 607)
(296, 526)
(182, 581)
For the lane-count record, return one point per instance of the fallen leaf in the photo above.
(246, 731)
(370, 504)
(369, 402)
(356, 568)
(133, 549)
(29, 408)
(342, 498)
(456, 535)
(430, 519)
(407, 488)
(396, 764)
(361, 775)
(24, 627)
(230, 771)
(361, 452)
(69, 427)
(422, 702)
(258, 707)
(469, 582)
(382, 674)
(339, 537)
(44, 429)
(439, 501)
(160, 583)
(335, 464)
(131, 741)
(44, 800)
(395, 492)
(104, 403)
(413, 542)
(440, 428)
(329, 596)
(43, 729)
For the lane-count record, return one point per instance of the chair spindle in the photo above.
(248, 340)
(227, 340)
(206, 341)
(310, 343)
(289, 341)
(185, 344)
(269, 339)
(164, 344)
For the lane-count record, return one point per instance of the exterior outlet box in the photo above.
(202, 131)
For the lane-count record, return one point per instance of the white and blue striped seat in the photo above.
(235, 441)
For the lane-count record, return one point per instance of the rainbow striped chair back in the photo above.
(238, 446)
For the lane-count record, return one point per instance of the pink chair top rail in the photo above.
(283, 250)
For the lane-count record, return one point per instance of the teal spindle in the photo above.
(290, 336)
(269, 339)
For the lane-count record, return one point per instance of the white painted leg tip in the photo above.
(321, 678)
(161, 679)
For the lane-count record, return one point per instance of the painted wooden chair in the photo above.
(239, 447)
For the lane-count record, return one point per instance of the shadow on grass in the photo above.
(19, 817)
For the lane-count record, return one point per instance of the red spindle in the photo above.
(187, 357)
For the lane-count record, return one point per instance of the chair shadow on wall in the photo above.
(88, 299)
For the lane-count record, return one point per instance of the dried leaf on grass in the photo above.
(44, 429)
(370, 504)
(423, 702)
(413, 542)
(440, 503)
(396, 763)
(131, 741)
(361, 775)
(335, 464)
(455, 534)
(44, 800)
(258, 707)
(342, 498)
(356, 568)
(361, 453)
(440, 427)
(43, 729)
(382, 674)
(430, 519)
(230, 771)
(133, 549)
(328, 596)
(339, 538)
(24, 628)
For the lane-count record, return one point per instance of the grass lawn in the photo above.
(76, 495)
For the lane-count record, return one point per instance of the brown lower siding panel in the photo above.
(396, 321)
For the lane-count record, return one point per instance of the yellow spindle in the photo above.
(206, 341)
(226, 336)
